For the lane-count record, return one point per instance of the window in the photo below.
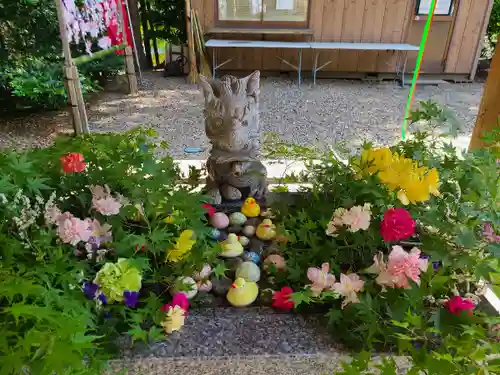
(443, 7)
(263, 12)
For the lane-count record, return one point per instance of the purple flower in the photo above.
(436, 264)
(107, 316)
(90, 289)
(95, 242)
(102, 298)
(130, 298)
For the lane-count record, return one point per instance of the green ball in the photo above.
(248, 271)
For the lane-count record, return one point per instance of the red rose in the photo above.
(73, 162)
(397, 225)
(458, 304)
(210, 209)
(282, 299)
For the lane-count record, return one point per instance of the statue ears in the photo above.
(251, 83)
(207, 87)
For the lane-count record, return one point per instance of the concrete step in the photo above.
(253, 341)
(248, 341)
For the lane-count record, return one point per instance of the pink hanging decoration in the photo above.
(89, 21)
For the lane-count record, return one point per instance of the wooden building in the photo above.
(453, 47)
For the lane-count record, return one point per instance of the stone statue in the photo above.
(232, 126)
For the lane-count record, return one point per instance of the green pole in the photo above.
(418, 65)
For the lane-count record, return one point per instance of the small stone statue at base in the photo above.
(232, 125)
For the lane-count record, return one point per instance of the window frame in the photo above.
(262, 24)
(450, 10)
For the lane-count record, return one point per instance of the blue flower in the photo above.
(107, 316)
(130, 298)
(102, 298)
(90, 289)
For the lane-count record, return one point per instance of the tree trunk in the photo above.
(489, 110)
(145, 30)
(136, 28)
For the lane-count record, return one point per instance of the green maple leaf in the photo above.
(37, 184)
(301, 297)
(137, 333)
(220, 270)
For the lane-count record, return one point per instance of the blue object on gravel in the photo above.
(193, 150)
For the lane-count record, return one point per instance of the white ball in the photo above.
(249, 231)
(189, 288)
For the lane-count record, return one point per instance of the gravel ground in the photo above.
(334, 110)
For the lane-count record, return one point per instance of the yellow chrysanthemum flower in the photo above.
(184, 244)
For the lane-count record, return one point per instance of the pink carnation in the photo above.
(103, 202)
(457, 305)
(401, 267)
(73, 230)
(406, 266)
(489, 233)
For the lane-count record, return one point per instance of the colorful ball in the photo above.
(219, 220)
(252, 257)
(214, 234)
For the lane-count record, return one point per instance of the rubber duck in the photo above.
(250, 208)
(231, 247)
(266, 230)
(242, 293)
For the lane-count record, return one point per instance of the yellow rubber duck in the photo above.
(231, 247)
(242, 293)
(266, 230)
(250, 208)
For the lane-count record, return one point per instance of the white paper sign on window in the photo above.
(284, 4)
(443, 7)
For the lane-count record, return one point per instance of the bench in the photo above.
(223, 43)
(400, 48)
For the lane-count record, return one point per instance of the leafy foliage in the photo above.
(450, 232)
(48, 325)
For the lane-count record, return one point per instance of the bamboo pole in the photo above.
(488, 118)
(193, 72)
(71, 79)
(129, 59)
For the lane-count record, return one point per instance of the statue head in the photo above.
(231, 110)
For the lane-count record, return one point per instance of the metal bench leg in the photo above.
(214, 62)
(315, 66)
(299, 70)
(404, 69)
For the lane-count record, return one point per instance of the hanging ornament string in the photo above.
(416, 74)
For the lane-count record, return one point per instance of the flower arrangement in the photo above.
(107, 220)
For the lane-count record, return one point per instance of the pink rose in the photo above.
(397, 225)
(458, 304)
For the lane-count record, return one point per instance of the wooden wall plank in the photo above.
(316, 18)
(373, 21)
(471, 36)
(209, 10)
(458, 33)
(393, 31)
(352, 27)
(333, 12)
